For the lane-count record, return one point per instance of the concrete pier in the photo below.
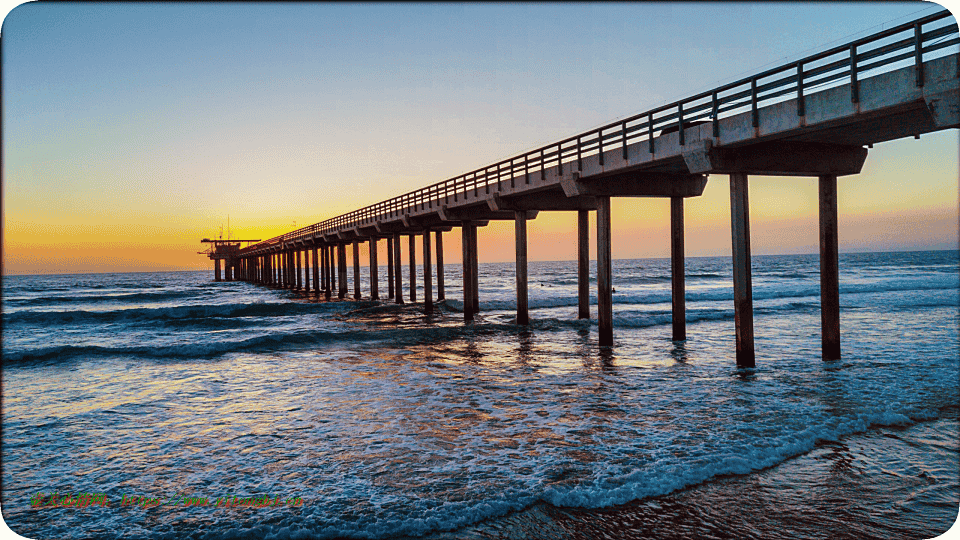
(775, 128)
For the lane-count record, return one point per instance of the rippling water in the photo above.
(386, 421)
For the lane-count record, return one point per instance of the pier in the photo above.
(813, 117)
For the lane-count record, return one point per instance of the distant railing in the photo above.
(895, 47)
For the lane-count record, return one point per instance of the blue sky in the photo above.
(152, 122)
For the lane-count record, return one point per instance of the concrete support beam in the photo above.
(478, 214)
(216, 269)
(634, 184)
(440, 294)
(316, 271)
(777, 158)
(742, 283)
(604, 274)
(475, 267)
(306, 269)
(342, 269)
(413, 268)
(389, 267)
(520, 242)
(583, 264)
(427, 272)
(299, 268)
(467, 280)
(329, 258)
(397, 268)
(540, 201)
(677, 269)
(374, 270)
(829, 269)
(356, 269)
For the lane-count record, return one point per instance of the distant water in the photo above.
(388, 422)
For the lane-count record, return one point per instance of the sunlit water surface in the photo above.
(387, 421)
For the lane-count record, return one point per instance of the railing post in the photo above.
(650, 130)
(854, 83)
(801, 101)
(600, 145)
(623, 132)
(716, 115)
(680, 123)
(918, 53)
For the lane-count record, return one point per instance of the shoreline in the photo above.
(823, 493)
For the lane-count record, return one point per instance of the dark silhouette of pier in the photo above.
(814, 117)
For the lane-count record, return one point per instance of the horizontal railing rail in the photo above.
(904, 44)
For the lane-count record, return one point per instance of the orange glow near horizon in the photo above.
(123, 152)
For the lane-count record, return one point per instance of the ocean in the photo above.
(166, 405)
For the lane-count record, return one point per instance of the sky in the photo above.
(131, 131)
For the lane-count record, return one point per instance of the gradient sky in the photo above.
(131, 131)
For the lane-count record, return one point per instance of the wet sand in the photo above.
(867, 485)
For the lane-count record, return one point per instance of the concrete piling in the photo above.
(583, 264)
(829, 269)
(604, 273)
(427, 273)
(374, 270)
(677, 269)
(520, 242)
(398, 281)
(742, 284)
(440, 294)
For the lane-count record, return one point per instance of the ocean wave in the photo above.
(275, 309)
(101, 298)
(276, 341)
(760, 292)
